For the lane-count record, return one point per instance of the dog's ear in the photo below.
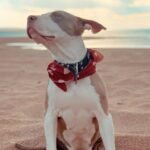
(94, 26)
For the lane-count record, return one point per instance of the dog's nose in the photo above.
(32, 18)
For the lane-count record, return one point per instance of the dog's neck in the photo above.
(68, 50)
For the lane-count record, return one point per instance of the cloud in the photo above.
(140, 3)
(113, 20)
(14, 18)
(109, 2)
(62, 4)
(107, 12)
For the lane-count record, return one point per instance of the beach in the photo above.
(23, 83)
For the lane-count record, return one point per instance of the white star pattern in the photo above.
(61, 81)
(50, 71)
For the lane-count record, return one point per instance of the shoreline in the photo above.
(24, 41)
(23, 81)
(14, 39)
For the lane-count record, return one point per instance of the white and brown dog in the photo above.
(80, 115)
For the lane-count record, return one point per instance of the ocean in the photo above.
(136, 38)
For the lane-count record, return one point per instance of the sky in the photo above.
(114, 14)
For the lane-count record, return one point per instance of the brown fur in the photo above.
(73, 25)
(68, 23)
(97, 82)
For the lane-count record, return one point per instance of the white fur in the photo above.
(107, 131)
(66, 54)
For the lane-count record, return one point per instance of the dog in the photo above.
(76, 107)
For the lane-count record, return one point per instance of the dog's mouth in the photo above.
(33, 34)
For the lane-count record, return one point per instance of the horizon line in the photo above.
(22, 28)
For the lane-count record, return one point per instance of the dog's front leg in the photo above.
(50, 126)
(105, 123)
(103, 116)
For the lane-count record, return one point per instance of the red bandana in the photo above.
(57, 73)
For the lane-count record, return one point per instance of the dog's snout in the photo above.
(32, 18)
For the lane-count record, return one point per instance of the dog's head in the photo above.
(59, 24)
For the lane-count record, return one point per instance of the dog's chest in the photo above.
(76, 106)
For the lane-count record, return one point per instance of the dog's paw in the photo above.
(60, 145)
(98, 144)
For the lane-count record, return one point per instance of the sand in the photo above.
(23, 81)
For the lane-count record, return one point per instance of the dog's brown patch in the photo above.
(99, 86)
(69, 23)
(73, 25)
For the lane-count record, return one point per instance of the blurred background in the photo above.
(127, 21)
